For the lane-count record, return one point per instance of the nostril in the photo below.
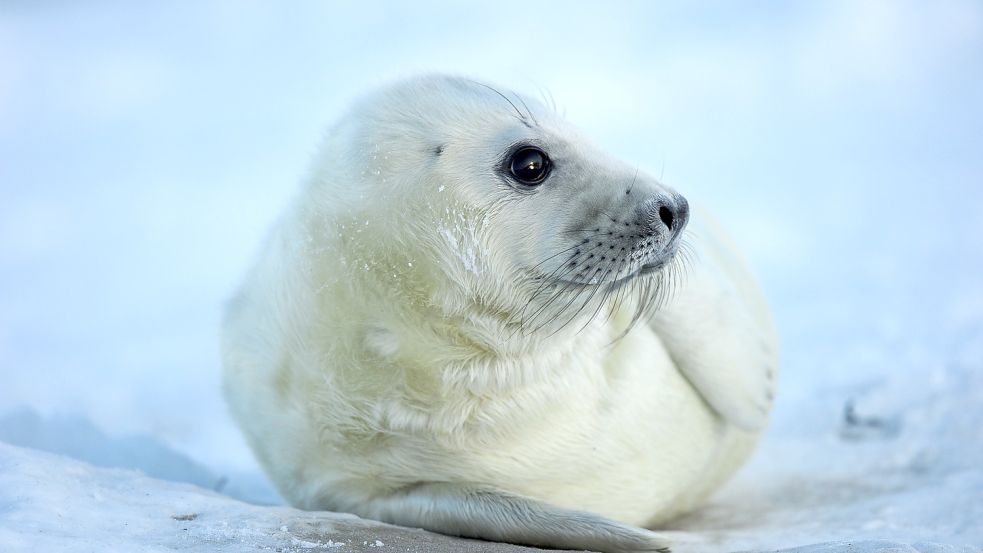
(666, 215)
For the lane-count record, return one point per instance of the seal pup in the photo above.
(474, 321)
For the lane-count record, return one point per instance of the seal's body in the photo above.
(475, 322)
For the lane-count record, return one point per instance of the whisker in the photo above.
(650, 298)
(493, 89)
(624, 291)
(600, 284)
(555, 302)
(606, 214)
(560, 311)
(548, 99)
(550, 279)
(632, 185)
(523, 102)
(601, 302)
(547, 279)
(561, 252)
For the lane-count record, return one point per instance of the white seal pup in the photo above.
(474, 321)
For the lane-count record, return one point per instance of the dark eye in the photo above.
(530, 165)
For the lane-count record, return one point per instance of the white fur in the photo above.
(374, 347)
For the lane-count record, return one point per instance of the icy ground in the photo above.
(51, 503)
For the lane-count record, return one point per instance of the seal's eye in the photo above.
(530, 165)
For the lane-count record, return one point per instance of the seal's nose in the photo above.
(665, 214)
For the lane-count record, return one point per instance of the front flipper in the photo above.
(475, 511)
(718, 332)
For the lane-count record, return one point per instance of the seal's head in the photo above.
(480, 203)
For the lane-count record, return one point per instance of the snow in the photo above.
(140, 169)
(52, 503)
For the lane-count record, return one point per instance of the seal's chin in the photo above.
(653, 267)
(648, 269)
(558, 300)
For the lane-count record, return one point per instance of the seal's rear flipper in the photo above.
(474, 511)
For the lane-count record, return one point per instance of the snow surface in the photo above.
(146, 148)
(51, 503)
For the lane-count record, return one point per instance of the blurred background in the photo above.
(146, 148)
